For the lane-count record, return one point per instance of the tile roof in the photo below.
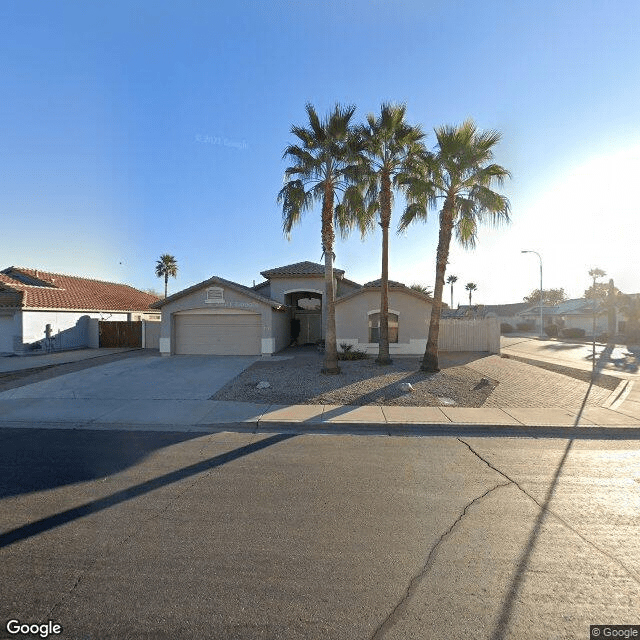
(378, 283)
(35, 289)
(305, 268)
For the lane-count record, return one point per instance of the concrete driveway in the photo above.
(145, 377)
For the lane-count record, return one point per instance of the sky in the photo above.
(133, 129)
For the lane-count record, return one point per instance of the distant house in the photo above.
(576, 313)
(37, 305)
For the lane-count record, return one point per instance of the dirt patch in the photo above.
(297, 380)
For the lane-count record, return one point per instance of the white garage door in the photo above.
(222, 335)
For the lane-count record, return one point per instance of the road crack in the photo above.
(557, 516)
(412, 587)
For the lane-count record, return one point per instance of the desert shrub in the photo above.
(505, 327)
(573, 333)
(602, 337)
(551, 330)
(349, 353)
(525, 326)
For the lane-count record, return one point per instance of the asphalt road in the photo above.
(116, 534)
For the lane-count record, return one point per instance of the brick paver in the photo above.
(524, 385)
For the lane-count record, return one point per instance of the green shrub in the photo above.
(505, 327)
(349, 353)
(525, 326)
(573, 333)
(551, 330)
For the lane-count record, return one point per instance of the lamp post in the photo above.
(540, 301)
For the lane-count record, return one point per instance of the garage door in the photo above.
(222, 335)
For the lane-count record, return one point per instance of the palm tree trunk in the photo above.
(430, 358)
(166, 282)
(452, 295)
(385, 221)
(469, 299)
(330, 344)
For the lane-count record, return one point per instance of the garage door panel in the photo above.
(225, 334)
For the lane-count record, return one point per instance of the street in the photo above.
(144, 534)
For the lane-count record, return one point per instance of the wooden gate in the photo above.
(120, 334)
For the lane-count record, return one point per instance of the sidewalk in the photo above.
(207, 415)
(36, 360)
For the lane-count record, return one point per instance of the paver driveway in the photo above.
(146, 377)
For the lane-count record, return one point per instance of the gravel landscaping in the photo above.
(294, 378)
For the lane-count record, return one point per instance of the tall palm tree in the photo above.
(323, 170)
(165, 267)
(452, 280)
(460, 173)
(470, 287)
(391, 145)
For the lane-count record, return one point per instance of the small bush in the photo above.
(349, 353)
(505, 327)
(526, 326)
(602, 337)
(573, 333)
(551, 330)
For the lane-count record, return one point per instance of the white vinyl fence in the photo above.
(469, 334)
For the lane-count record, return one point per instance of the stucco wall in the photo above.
(352, 317)
(281, 329)
(70, 328)
(234, 302)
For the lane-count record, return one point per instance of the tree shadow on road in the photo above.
(45, 524)
(517, 581)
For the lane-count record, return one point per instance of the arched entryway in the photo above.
(305, 316)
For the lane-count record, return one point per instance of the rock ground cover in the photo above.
(297, 380)
(466, 380)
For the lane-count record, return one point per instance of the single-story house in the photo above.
(36, 306)
(576, 313)
(218, 316)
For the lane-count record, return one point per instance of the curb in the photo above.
(451, 429)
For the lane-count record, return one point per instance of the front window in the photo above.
(374, 327)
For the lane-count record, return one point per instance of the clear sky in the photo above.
(132, 129)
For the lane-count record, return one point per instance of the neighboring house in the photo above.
(570, 314)
(218, 316)
(37, 307)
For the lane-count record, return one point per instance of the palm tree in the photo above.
(470, 287)
(391, 145)
(322, 170)
(165, 267)
(421, 288)
(461, 173)
(452, 280)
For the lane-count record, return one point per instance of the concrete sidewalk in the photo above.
(206, 415)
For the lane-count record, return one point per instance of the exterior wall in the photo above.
(344, 288)
(234, 302)
(586, 323)
(281, 330)
(71, 329)
(10, 330)
(414, 314)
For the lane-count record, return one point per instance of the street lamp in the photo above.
(540, 301)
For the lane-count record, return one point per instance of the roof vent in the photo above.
(215, 295)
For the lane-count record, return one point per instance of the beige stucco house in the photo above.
(221, 317)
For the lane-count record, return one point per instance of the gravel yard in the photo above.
(294, 378)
